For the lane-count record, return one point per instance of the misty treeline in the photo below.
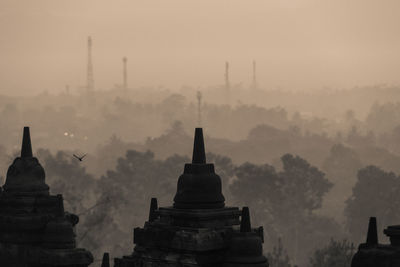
(286, 201)
(85, 120)
(311, 172)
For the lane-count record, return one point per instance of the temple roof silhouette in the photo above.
(34, 228)
(25, 175)
(198, 229)
(373, 254)
(199, 187)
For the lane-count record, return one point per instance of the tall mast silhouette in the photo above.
(254, 85)
(125, 72)
(227, 84)
(89, 78)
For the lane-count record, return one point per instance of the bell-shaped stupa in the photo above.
(373, 254)
(199, 187)
(34, 229)
(198, 229)
(25, 175)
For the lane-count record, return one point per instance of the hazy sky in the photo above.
(298, 44)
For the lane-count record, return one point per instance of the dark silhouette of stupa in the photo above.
(373, 254)
(198, 230)
(35, 231)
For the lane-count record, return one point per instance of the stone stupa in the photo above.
(373, 254)
(198, 230)
(35, 231)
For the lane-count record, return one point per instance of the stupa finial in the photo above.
(372, 236)
(199, 153)
(106, 260)
(199, 187)
(153, 208)
(245, 225)
(26, 149)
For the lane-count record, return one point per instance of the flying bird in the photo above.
(79, 158)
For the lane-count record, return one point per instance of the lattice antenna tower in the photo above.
(125, 72)
(227, 82)
(255, 85)
(89, 78)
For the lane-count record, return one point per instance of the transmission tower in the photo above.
(89, 78)
(125, 72)
(254, 75)
(227, 83)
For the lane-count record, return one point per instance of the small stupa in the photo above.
(198, 229)
(35, 231)
(373, 254)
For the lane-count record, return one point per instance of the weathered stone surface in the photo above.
(200, 218)
(382, 255)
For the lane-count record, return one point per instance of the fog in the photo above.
(313, 142)
(298, 45)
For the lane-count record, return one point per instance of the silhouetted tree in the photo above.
(68, 177)
(285, 201)
(341, 168)
(335, 254)
(65, 175)
(278, 257)
(383, 117)
(136, 179)
(259, 187)
(375, 194)
(174, 141)
(304, 183)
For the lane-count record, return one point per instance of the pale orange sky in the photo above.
(298, 44)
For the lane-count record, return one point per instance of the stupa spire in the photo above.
(26, 175)
(153, 208)
(199, 152)
(199, 187)
(372, 236)
(245, 225)
(34, 223)
(26, 149)
(106, 260)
